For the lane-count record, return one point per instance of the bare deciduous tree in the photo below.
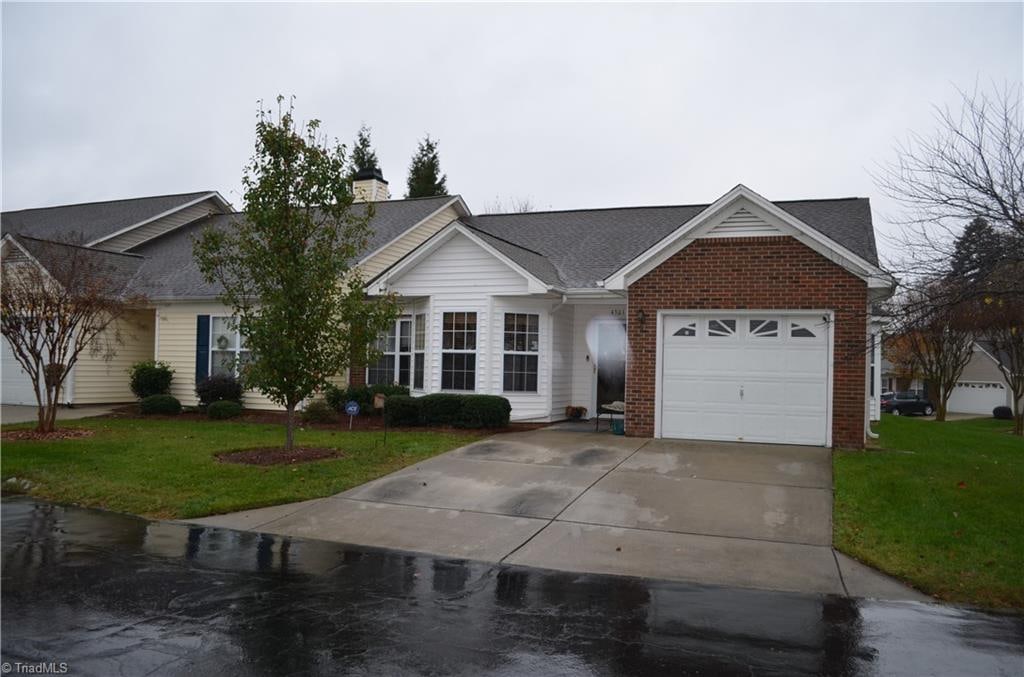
(1002, 331)
(936, 338)
(59, 300)
(516, 205)
(972, 167)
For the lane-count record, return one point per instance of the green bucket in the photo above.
(618, 426)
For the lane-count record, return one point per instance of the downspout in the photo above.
(869, 380)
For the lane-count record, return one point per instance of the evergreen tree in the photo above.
(977, 251)
(363, 156)
(425, 177)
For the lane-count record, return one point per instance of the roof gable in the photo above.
(90, 222)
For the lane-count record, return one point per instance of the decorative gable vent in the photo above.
(742, 223)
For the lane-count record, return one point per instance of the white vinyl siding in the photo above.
(101, 381)
(561, 359)
(148, 231)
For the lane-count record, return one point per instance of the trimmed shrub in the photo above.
(160, 404)
(150, 378)
(336, 397)
(219, 387)
(483, 411)
(1003, 413)
(362, 395)
(440, 408)
(402, 410)
(318, 411)
(222, 409)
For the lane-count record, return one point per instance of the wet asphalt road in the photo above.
(112, 594)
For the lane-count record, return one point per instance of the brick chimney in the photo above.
(368, 185)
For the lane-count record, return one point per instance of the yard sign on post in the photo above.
(352, 409)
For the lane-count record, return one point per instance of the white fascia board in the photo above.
(534, 285)
(685, 235)
(213, 195)
(455, 201)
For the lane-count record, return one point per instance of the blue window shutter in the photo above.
(202, 347)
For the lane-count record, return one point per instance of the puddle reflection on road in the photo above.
(113, 594)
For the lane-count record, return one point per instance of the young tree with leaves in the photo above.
(363, 155)
(425, 177)
(58, 302)
(286, 268)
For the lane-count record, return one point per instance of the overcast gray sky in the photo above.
(567, 105)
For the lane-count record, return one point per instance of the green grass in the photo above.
(940, 505)
(167, 469)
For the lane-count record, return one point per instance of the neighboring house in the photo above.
(980, 389)
(739, 320)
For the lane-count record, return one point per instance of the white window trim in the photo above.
(535, 353)
(411, 318)
(425, 314)
(456, 351)
(237, 350)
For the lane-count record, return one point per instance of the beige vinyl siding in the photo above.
(176, 345)
(412, 238)
(981, 367)
(100, 381)
(148, 231)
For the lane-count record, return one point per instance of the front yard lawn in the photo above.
(940, 505)
(166, 468)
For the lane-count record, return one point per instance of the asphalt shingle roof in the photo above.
(71, 262)
(584, 246)
(171, 272)
(82, 223)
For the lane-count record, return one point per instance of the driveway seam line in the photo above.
(839, 570)
(434, 507)
(570, 503)
(715, 479)
(696, 533)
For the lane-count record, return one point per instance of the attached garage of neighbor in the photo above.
(15, 384)
(978, 397)
(744, 376)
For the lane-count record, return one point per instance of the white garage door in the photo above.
(15, 385)
(753, 378)
(975, 397)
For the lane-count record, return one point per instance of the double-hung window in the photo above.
(395, 363)
(458, 351)
(227, 346)
(521, 345)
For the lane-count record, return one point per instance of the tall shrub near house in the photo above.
(286, 267)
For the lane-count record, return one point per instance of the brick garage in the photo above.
(765, 273)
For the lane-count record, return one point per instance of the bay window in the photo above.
(395, 363)
(458, 351)
(419, 348)
(521, 347)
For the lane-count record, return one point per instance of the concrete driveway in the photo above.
(17, 413)
(732, 514)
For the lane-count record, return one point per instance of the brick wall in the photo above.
(759, 274)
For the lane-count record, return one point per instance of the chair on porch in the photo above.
(612, 408)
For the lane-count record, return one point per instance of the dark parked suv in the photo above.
(907, 403)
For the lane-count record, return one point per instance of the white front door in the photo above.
(745, 377)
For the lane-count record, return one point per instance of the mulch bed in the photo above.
(359, 423)
(278, 455)
(58, 434)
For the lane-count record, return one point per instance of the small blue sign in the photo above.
(352, 408)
